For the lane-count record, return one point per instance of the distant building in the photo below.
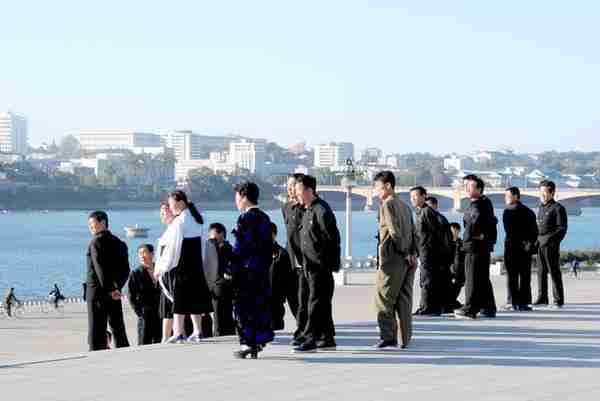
(13, 133)
(333, 155)
(249, 155)
(298, 148)
(134, 141)
(11, 157)
(188, 145)
(392, 161)
(371, 156)
(458, 163)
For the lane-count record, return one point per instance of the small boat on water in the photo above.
(137, 232)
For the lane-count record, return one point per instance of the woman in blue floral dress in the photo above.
(250, 273)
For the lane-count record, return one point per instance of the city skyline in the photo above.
(465, 76)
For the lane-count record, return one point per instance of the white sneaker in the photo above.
(194, 338)
(176, 340)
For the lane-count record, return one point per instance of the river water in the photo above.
(38, 249)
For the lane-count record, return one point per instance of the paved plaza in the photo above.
(543, 355)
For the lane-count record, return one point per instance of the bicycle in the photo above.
(17, 311)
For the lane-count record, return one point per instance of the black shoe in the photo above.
(525, 308)
(297, 341)
(326, 345)
(488, 314)
(427, 312)
(309, 346)
(243, 353)
(541, 302)
(462, 314)
(557, 306)
(386, 344)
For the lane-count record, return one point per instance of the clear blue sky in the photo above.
(406, 76)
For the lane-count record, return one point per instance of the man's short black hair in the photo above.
(219, 228)
(455, 225)
(308, 181)
(514, 191)
(249, 190)
(477, 180)
(548, 184)
(386, 177)
(273, 228)
(100, 216)
(148, 247)
(432, 199)
(421, 190)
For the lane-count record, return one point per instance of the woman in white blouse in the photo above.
(186, 259)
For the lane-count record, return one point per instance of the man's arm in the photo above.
(558, 234)
(391, 219)
(134, 294)
(331, 236)
(100, 264)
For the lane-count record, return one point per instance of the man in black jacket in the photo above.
(521, 231)
(479, 238)
(320, 244)
(144, 297)
(106, 263)
(222, 291)
(552, 225)
(293, 211)
(427, 230)
(283, 283)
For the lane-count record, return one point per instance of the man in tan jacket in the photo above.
(397, 263)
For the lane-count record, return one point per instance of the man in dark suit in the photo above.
(221, 288)
(520, 226)
(144, 297)
(107, 271)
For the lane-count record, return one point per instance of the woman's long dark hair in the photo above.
(181, 196)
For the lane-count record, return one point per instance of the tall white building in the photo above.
(248, 154)
(458, 163)
(188, 145)
(333, 155)
(13, 133)
(104, 139)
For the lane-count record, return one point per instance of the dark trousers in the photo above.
(286, 291)
(431, 288)
(479, 293)
(302, 311)
(320, 308)
(457, 282)
(100, 313)
(224, 323)
(549, 262)
(149, 328)
(518, 275)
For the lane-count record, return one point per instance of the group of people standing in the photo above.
(246, 285)
(448, 263)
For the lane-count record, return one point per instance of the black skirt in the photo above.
(190, 290)
(165, 309)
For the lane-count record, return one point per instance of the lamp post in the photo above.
(348, 181)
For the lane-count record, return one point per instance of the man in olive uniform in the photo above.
(397, 264)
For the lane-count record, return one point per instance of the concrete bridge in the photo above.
(455, 198)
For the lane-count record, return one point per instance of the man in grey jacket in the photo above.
(397, 263)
